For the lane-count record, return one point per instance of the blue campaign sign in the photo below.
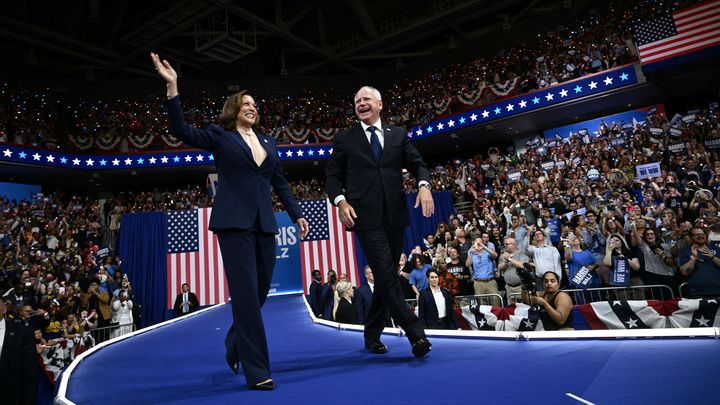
(554, 225)
(287, 277)
(632, 117)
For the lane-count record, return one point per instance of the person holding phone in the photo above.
(701, 265)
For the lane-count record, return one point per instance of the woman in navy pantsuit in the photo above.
(242, 217)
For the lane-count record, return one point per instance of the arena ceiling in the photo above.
(214, 38)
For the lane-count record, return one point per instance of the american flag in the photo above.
(193, 257)
(685, 31)
(328, 246)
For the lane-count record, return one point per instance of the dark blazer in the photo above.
(429, 313)
(346, 312)
(192, 300)
(234, 207)
(314, 297)
(369, 185)
(363, 299)
(18, 365)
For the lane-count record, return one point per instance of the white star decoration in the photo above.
(36, 156)
(51, 158)
(76, 161)
(632, 323)
(549, 96)
(474, 116)
(522, 103)
(7, 153)
(563, 93)
(115, 162)
(702, 321)
(451, 124)
(608, 80)
(593, 85)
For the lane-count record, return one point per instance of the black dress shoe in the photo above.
(377, 347)
(232, 361)
(267, 385)
(421, 347)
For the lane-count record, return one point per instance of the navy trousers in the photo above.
(249, 259)
(382, 247)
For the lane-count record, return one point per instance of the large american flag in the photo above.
(328, 246)
(681, 32)
(193, 257)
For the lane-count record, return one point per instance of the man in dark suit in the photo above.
(18, 361)
(315, 293)
(364, 180)
(186, 302)
(363, 297)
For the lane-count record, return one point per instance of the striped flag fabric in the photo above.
(193, 257)
(685, 31)
(328, 246)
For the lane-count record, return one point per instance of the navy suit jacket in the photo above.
(371, 186)
(363, 300)
(428, 310)
(18, 365)
(243, 194)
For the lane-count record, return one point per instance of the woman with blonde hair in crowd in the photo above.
(344, 310)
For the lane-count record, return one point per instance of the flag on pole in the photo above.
(193, 257)
(684, 31)
(328, 246)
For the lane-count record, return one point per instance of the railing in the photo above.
(109, 332)
(640, 292)
(480, 299)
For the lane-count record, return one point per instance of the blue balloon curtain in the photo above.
(142, 245)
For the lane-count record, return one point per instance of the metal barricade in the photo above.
(639, 292)
(482, 299)
(109, 332)
(685, 290)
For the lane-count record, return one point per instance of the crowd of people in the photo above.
(588, 218)
(597, 42)
(57, 273)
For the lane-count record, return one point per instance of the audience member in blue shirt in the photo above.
(418, 278)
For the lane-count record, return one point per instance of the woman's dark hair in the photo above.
(431, 270)
(417, 257)
(231, 109)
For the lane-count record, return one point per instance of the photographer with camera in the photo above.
(555, 306)
(481, 262)
(545, 256)
(98, 301)
(122, 315)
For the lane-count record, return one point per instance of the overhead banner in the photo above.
(625, 120)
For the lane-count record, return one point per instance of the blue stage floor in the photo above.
(184, 363)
